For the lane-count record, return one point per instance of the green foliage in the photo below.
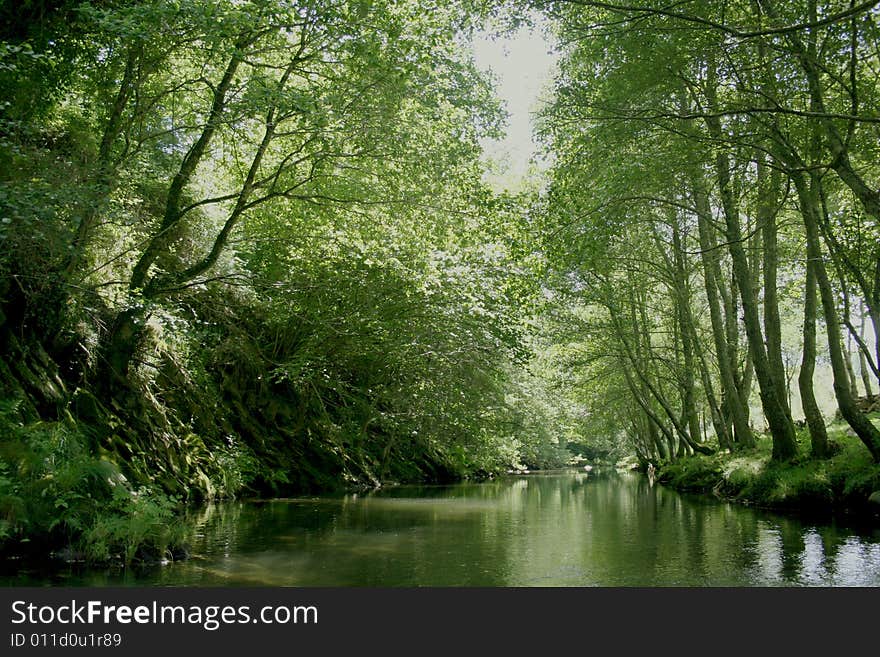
(50, 485)
(255, 239)
(237, 466)
(54, 494)
(136, 524)
(851, 472)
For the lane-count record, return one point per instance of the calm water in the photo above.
(569, 529)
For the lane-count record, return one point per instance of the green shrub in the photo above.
(736, 481)
(136, 524)
(813, 491)
(237, 466)
(852, 474)
(696, 473)
(56, 494)
(763, 487)
(51, 486)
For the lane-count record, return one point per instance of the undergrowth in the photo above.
(55, 494)
(844, 481)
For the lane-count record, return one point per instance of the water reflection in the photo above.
(539, 530)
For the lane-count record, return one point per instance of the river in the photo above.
(558, 529)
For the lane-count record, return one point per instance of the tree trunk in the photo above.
(768, 186)
(119, 348)
(194, 156)
(863, 362)
(812, 414)
(847, 361)
(649, 412)
(778, 418)
(105, 167)
(863, 427)
(772, 398)
(682, 301)
(716, 414)
(638, 369)
(731, 400)
(654, 436)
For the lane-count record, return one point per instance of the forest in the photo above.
(250, 248)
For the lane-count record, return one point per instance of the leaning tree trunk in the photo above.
(775, 409)
(863, 427)
(638, 366)
(731, 400)
(118, 350)
(812, 414)
(850, 370)
(681, 298)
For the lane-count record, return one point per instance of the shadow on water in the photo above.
(557, 529)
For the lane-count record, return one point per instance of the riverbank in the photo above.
(848, 482)
(89, 476)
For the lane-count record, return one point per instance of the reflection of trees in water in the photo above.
(662, 537)
(533, 530)
(794, 552)
(791, 544)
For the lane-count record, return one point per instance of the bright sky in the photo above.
(524, 67)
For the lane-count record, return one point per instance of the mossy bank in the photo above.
(88, 475)
(846, 482)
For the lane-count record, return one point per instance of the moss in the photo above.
(843, 482)
(852, 474)
(697, 473)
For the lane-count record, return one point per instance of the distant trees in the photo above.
(728, 149)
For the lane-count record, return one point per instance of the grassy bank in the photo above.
(844, 482)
